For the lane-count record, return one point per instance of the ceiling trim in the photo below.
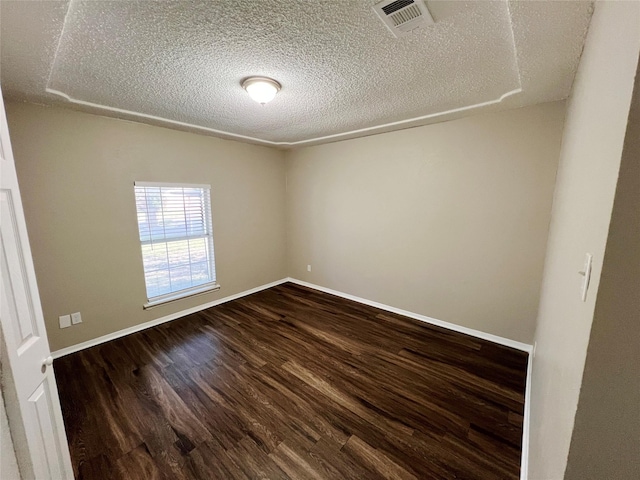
(334, 137)
(381, 128)
(161, 119)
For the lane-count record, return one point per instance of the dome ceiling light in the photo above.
(261, 89)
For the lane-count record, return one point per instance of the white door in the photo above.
(25, 335)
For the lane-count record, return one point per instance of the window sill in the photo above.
(180, 295)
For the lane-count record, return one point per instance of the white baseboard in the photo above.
(167, 318)
(439, 323)
(524, 459)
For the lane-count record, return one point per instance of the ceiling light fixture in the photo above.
(261, 89)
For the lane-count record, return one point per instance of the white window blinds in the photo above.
(174, 222)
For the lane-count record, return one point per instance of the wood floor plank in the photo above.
(138, 463)
(378, 461)
(292, 383)
(295, 463)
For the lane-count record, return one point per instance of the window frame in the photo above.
(190, 291)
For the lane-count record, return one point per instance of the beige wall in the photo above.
(76, 174)
(416, 219)
(448, 220)
(606, 437)
(589, 164)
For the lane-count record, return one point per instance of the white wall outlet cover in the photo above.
(65, 321)
(76, 318)
(308, 268)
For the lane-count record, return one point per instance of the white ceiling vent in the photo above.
(403, 16)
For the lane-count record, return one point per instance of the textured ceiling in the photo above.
(180, 63)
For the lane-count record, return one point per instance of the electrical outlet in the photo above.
(76, 318)
(308, 268)
(65, 321)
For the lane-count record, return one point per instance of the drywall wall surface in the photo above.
(587, 174)
(606, 436)
(8, 462)
(447, 220)
(76, 173)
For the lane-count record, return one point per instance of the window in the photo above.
(174, 221)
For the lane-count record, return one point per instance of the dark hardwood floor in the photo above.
(291, 383)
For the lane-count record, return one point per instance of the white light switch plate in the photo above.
(76, 318)
(587, 276)
(65, 321)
